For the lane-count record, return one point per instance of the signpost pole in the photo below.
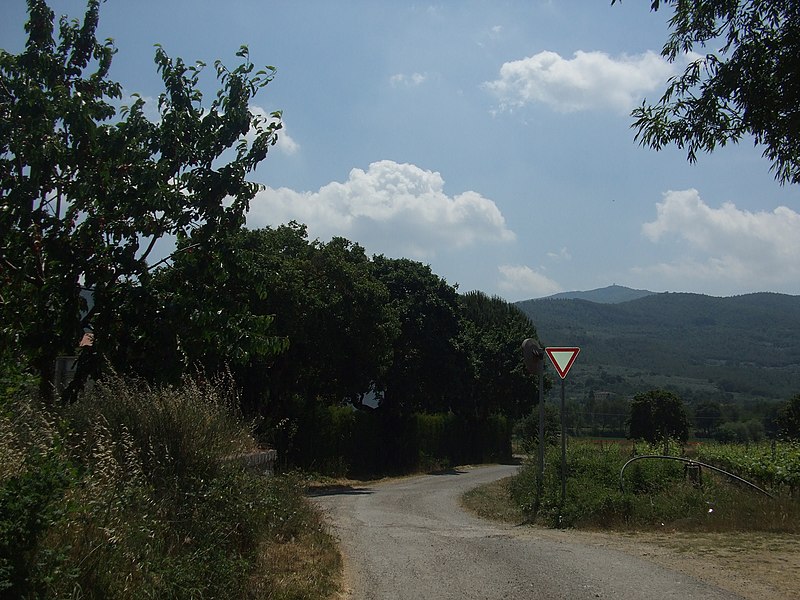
(563, 359)
(540, 472)
(563, 448)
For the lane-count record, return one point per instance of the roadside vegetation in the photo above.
(135, 492)
(657, 494)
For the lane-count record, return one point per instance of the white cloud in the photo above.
(150, 107)
(391, 208)
(561, 255)
(589, 80)
(726, 247)
(286, 143)
(523, 282)
(403, 80)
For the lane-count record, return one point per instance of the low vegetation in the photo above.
(657, 494)
(133, 492)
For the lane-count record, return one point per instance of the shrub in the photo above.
(656, 492)
(593, 494)
(339, 440)
(131, 493)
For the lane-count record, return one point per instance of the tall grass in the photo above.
(657, 495)
(131, 493)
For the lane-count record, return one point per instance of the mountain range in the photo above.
(745, 347)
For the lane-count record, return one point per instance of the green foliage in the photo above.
(338, 440)
(491, 333)
(746, 86)
(707, 415)
(83, 200)
(289, 317)
(658, 415)
(179, 432)
(526, 430)
(134, 492)
(428, 366)
(594, 498)
(31, 502)
(789, 418)
(774, 465)
(657, 494)
(739, 432)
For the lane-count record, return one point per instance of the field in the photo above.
(658, 494)
(774, 465)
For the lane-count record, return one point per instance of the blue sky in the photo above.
(490, 140)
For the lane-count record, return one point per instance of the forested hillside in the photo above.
(742, 347)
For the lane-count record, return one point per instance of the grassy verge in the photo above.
(657, 497)
(130, 493)
(494, 501)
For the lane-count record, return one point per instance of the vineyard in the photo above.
(775, 465)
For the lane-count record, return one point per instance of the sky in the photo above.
(490, 140)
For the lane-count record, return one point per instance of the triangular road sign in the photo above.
(562, 358)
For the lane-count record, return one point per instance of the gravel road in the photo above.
(410, 539)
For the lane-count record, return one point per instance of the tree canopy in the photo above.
(427, 366)
(658, 415)
(491, 333)
(745, 81)
(789, 418)
(84, 199)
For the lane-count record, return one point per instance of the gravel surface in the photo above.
(410, 539)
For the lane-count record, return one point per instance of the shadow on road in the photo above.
(338, 490)
(454, 471)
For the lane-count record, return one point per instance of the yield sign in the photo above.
(562, 359)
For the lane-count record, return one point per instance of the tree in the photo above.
(707, 415)
(84, 200)
(207, 309)
(491, 332)
(290, 318)
(658, 415)
(427, 368)
(749, 85)
(788, 419)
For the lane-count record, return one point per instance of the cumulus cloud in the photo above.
(523, 282)
(589, 80)
(286, 143)
(391, 208)
(727, 246)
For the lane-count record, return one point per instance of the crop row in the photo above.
(772, 464)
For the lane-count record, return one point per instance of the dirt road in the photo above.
(409, 539)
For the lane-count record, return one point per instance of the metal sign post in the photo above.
(563, 359)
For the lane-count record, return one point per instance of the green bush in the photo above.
(338, 441)
(526, 429)
(134, 492)
(655, 490)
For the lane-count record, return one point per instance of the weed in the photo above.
(131, 493)
(657, 495)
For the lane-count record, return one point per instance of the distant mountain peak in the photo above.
(612, 294)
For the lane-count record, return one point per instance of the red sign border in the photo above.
(575, 350)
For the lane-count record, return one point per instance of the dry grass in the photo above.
(128, 495)
(303, 568)
(493, 501)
